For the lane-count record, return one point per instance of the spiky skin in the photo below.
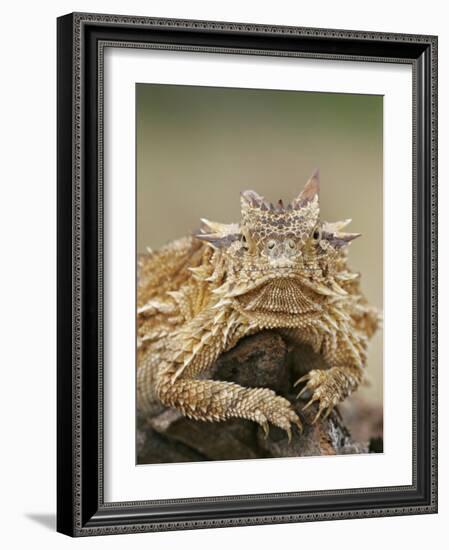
(280, 268)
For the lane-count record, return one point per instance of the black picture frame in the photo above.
(81, 509)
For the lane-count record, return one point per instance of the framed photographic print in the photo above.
(247, 287)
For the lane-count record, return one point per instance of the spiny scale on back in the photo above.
(280, 268)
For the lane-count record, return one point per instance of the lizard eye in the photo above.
(271, 244)
(316, 234)
(244, 242)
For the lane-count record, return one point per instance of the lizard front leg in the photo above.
(177, 384)
(344, 350)
(216, 401)
(330, 387)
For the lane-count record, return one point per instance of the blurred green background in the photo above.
(198, 147)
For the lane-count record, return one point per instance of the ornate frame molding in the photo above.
(81, 41)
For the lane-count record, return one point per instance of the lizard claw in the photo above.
(314, 378)
(277, 411)
(318, 414)
(298, 424)
(305, 388)
(326, 387)
(266, 429)
(307, 405)
(323, 407)
(302, 379)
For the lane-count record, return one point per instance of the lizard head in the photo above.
(279, 247)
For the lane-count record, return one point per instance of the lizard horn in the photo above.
(310, 191)
(251, 198)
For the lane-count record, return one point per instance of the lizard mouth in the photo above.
(281, 295)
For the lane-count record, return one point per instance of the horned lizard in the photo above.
(280, 268)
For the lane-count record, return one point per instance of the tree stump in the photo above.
(262, 360)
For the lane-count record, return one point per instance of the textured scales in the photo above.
(280, 268)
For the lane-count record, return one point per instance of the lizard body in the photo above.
(280, 268)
